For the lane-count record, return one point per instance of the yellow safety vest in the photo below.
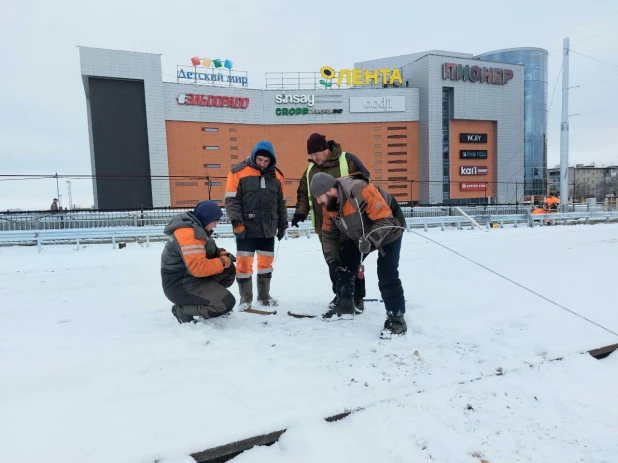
(344, 171)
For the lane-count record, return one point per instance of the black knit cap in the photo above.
(316, 142)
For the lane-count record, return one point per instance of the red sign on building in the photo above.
(465, 186)
(213, 100)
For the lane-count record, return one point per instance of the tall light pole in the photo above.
(564, 130)
(70, 196)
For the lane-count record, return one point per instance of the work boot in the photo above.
(344, 310)
(359, 305)
(394, 326)
(263, 284)
(332, 304)
(183, 314)
(245, 288)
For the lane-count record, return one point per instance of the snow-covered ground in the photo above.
(94, 368)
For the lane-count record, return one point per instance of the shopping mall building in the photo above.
(433, 128)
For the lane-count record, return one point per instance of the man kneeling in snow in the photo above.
(358, 218)
(194, 271)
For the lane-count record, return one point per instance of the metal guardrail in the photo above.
(304, 229)
(100, 219)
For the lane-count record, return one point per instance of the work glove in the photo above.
(281, 235)
(240, 232)
(227, 254)
(298, 218)
(364, 246)
(226, 261)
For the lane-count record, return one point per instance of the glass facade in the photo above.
(535, 112)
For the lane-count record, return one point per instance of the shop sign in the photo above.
(305, 111)
(473, 138)
(465, 186)
(453, 71)
(309, 100)
(473, 170)
(196, 76)
(376, 104)
(213, 100)
(360, 76)
(473, 154)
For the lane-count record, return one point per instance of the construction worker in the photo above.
(359, 218)
(255, 205)
(194, 271)
(552, 203)
(327, 157)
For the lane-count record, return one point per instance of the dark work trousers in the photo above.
(388, 275)
(351, 252)
(209, 292)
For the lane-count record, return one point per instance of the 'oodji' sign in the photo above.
(213, 100)
(472, 186)
(473, 170)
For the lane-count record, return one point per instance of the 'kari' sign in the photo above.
(473, 170)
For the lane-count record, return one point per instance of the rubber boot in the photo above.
(180, 312)
(263, 286)
(394, 326)
(245, 287)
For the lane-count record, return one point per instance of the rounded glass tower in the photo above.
(535, 65)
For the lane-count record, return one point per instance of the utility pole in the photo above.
(70, 196)
(564, 130)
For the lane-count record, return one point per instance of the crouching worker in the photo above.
(358, 218)
(194, 271)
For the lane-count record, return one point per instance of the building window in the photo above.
(378, 153)
(288, 182)
(377, 146)
(212, 166)
(397, 170)
(233, 139)
(447, 115)
(232, 130)
(210, 129)
(397, 144)
(377, 137)
(234, 148)
(397, 187)
(398, 161)
(397, 136)
(397, 153)
(377, 128)
(210, 147)
(234, 156)
(378, 171)
(213, 183)
(191, 202)
(396, 128)
(378, 162)
(186, 183)
(398, 179)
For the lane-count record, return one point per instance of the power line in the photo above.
(593, 58)
(596, 35)
(594, 83)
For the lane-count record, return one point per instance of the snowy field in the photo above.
(94, 368)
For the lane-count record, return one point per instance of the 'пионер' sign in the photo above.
(452, 71)
(465, 186)
(213, 100)
(473, 170)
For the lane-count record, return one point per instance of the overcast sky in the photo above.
(43, 124)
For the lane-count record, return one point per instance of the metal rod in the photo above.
(564, 130)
